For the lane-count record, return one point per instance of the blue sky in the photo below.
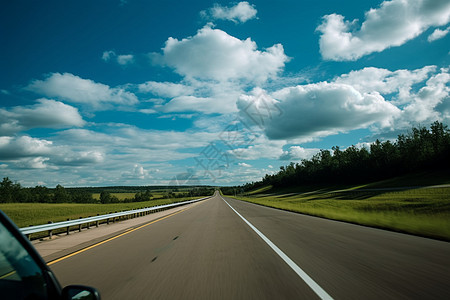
(100, 93)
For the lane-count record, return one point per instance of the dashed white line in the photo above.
(305, 277)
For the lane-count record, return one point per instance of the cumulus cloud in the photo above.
(392, 24)
(45, 114)
(79, 158)
(33, 153)
(32, 163)
(166, 89)
(422, 103)
(296, 153)
(24, 146)
(71, 88)
(138, 173)
(197, 104)
(245, 165)
(216, 68)
(107, 55)
(215, 99)
(259, 148)
(123, 59)
(125, 138)
(239, 13)
(321, 109)
(212, 54)
(352, 101)
(438, 34)
(385, 81)
(198, 96)
(430, 103)
(148, 111)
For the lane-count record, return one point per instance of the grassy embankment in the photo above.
(26, 214)
(390, 204)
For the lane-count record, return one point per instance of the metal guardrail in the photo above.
(113, 216)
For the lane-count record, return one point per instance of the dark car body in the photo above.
(25, 275)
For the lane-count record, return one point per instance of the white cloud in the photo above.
(32, 163)
(123, 59)
(24, 146)
(138, 173)
(195, 96)
(199, 104)
(165, 89)
(384, 81)
(297, 153)
(216, 68)
(79, 158)
(45, 114)
(28, 152)
(430, 103)
(128, 139)
(71, 88)
(321, 109)
(438, 34)
(392, 24)
(107, 55)
(88, 138)
(191, 103)
(148, 111)
(239, 13)
(260, 148)
(419, 104)
(212, 54)
(244, 165)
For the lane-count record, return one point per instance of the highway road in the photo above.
(212, 251)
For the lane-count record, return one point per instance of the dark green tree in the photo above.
(105, 197)
(60, 195)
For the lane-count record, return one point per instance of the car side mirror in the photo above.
(80, 292)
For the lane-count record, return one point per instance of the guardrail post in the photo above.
(29, 235)
(96, 223)
(68, 228)
(88, 224)
(50, 232)
(79, 226)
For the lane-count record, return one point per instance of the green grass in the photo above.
(123, 196)
(26, 214)
(261, 190)
(419, 211)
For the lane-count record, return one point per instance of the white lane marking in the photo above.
(308, 280)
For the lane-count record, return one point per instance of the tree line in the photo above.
(420, 149)
(11, 192)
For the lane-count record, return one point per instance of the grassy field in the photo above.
(419, 211)
(123, 196)
(120, 196)
(26, 214)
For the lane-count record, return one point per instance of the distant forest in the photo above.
(420, 149)
(11, 192)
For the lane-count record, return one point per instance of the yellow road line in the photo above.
(114, 237)
(7, 275)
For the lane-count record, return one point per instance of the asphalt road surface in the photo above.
(210, 252)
